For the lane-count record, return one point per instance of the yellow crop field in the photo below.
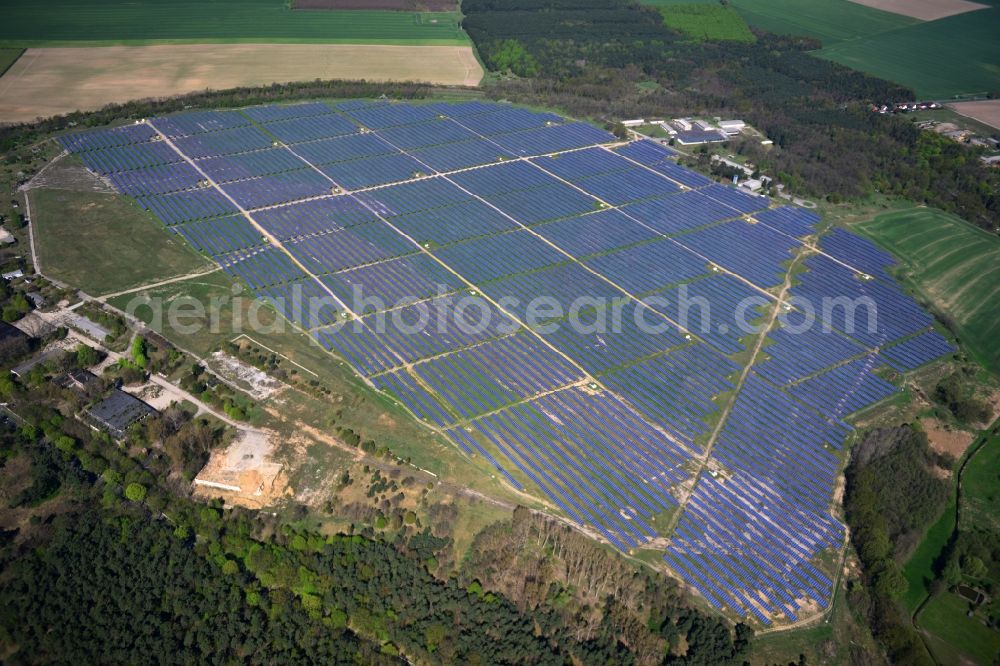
(49, 81)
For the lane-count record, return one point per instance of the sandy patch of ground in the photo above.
(925, 10)
(243, 473)
(254, 381)
(73, 177)
(838, 491)
(807, 607)
(986, 111)
(155, 396)
(49, 81)
(35, 325)
(953, 442)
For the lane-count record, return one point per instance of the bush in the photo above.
(135, 492)
(953, 394)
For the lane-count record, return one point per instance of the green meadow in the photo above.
(954, 265)
(956, 55)
(97, 22)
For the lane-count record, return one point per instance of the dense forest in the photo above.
(103, 589)
(892, 494)
(587, 57)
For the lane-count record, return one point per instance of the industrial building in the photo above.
(117, 412)
(732, 127)
(694, 137)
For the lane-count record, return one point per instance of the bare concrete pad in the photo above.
(256, 382)
(924, 10)
(986, 111)
(49, 81)
(243, 473)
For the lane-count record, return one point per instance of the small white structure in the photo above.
(752, 184)
(633, 123)
(682, 124)
(702, 125)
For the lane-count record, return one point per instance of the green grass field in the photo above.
(955, 638)
(981, 486)
(919, 568)
(938, 59)
(954, 265)
(949, 633)
(93, 22)
(204, 289)
(102, 243)
(829, 642)
(707, 22)
(8, 57)
(831, 21)
(957, 55)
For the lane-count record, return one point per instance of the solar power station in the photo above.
(735, 465)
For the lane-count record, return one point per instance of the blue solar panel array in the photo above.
(721, 309)
(917, 351)
(589, 453)
(872, 311)
(486, 259)
(410, 206)
(650, 266)
(483, 378)
(418, 399)
(673, 214)
(595, 233)
(791, 220)
(598, 351)
(568, 289)
(221, 236)
(844, 389)
(753, 251)
(677, 390)
(793, 353)
(385, 284)
(127, 158)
